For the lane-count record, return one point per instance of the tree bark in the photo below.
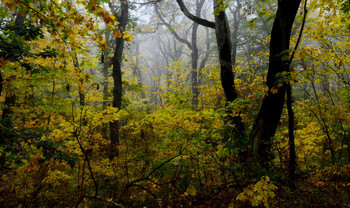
(117, 77)
(223, 39)
(195, 55)
(271, 109)
(292, 155)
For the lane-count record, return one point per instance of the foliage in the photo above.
(260, 193)
(55, 141)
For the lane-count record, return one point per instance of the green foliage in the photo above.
(222, 6)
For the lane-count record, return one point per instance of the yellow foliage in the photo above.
(260, 193)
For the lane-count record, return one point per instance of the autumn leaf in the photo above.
(117, 34)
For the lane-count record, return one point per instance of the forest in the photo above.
(174, 103)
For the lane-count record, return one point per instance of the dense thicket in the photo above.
(186, 103)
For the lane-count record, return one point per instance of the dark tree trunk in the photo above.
(206, 56)
(271, 109)
(117, 77)
(195, 54)
(1, 82)
(224, 46)
(292, 156)
(106, 64)
(194, 72)
(81, 81)
(223, 39)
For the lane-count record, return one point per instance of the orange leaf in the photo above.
(117, 34)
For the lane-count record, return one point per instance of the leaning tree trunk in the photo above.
(117, 78)
(271, 109)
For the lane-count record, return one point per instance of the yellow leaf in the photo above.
(191, 191)
(117, 34)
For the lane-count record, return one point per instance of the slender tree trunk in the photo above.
(194, 66)
(1, 82)
(271, 109)
(195, 55)
(137, 71)
(81, 81)
(292, 155)
(106, 65)
(117, 78)
(206, 56)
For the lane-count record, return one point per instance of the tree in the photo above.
(223, 39)
(122, 18)
(192, 45)
(271, 109)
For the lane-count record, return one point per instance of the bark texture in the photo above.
(117, 77)
(223, 39)
(271, 109)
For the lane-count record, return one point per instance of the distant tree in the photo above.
(191, 44)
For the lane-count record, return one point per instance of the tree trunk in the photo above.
(292, 156)
(223, 39)
(271, 109)
(137, 72)
(195, 55)
(117, 78)
(194, 72)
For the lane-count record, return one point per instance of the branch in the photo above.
(182, 40)
(148, 177)
(196, 19)
(300, 33)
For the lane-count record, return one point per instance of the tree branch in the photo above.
(196, 19)
(300, 33)
(182, 40)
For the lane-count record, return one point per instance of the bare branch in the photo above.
(196, 19)
(182, 40)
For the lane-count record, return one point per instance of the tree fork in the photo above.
(271, 109)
